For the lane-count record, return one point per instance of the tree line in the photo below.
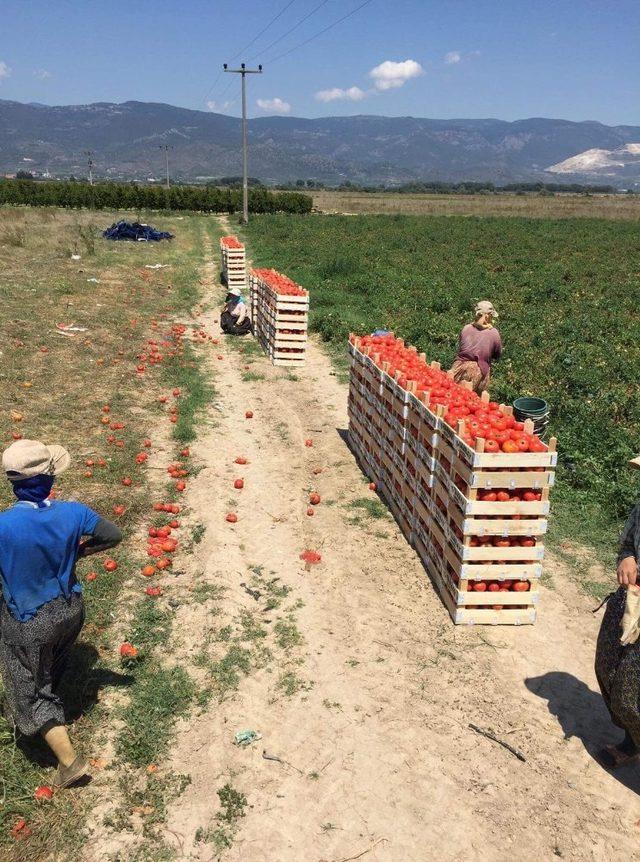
(463, 188)
(75, 195)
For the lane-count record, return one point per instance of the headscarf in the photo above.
(35, 489)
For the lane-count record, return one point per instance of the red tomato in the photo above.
(43, 793)
(510, 447)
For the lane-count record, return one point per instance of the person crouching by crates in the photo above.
(42, 611)
(479, 345)
(234, 319)
(617, 661)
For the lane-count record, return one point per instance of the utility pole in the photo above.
(89, 154)
(245, 159)
(166, 148)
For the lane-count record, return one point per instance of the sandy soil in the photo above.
(380, 761)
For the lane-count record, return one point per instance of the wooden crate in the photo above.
(280, 323)
(234, 266)
(431, 479)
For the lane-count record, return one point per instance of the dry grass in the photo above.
(58, 385)
(525, 206)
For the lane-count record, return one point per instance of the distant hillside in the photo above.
(366, 149)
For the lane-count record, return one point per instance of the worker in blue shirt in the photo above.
(42, 609)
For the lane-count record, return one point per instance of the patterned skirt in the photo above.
(466, 370)
(33, 655)
(618, 669)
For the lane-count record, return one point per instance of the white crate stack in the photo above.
(280, 314)
(234, 262)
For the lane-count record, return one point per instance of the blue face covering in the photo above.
(35, 489)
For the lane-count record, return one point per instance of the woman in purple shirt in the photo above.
(479, 345)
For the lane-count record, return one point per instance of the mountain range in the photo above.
(125, 141)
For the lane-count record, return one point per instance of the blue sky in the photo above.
(576, 59)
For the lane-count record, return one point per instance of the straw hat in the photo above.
(485, 307)
(27, 458)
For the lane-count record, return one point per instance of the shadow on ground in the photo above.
(582, 713)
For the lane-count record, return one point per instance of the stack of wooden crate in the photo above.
(234, 262)
(476, 518)
(280, 310)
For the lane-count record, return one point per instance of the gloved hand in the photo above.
(630, 624)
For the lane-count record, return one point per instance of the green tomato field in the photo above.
(568, 294)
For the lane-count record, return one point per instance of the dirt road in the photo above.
(354, 674)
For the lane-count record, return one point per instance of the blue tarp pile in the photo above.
(136, 231)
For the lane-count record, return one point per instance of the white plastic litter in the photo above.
(66, 328)
(157, 265)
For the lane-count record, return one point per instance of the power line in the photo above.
(242, 50)
(320, 32)
(264, 30)
(226, 89)
(295, 27)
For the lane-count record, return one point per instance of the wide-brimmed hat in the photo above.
(27, 458)
(485, 307)
(235, 291)
(635, 462)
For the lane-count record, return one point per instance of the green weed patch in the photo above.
(567, 291)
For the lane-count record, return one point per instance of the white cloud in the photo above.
(5, 71)
(452, 58)
(42, 74)
(390, 75)
(219, 106)
(277, 106)
(352, 94)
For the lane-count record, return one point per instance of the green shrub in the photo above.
(122, 196)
